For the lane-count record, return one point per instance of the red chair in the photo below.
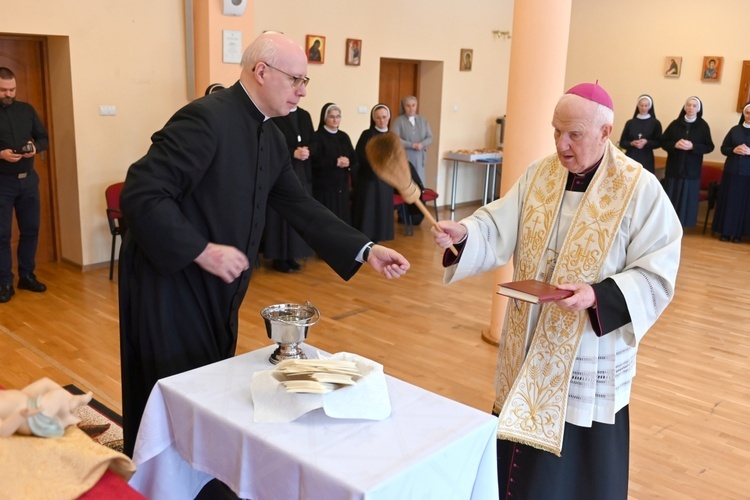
(709, 189)
(431, 195)
(400, 205)
(114, 217)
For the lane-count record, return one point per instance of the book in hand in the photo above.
(536, 292)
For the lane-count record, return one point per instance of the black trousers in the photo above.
(593, 466)
(21, 195)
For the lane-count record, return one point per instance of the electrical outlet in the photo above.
(107, 110)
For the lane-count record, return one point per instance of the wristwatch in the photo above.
(366, 251)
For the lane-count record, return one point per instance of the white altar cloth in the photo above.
(199, 424)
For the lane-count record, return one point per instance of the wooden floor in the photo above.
(690, 409)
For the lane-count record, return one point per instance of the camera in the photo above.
(26, 148)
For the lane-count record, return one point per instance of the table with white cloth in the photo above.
(199, 424)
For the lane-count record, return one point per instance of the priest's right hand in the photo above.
(448, 232)
(226, 262)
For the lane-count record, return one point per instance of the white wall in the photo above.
(429, 30)
(127, 54)
(624, 44)
(132, 55)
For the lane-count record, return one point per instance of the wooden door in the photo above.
(398, 78)
(25, 56)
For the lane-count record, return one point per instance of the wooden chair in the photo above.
(114, 217)
(709, 189)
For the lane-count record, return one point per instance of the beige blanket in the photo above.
(66, 467)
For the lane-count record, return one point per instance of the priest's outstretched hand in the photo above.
(388, 262)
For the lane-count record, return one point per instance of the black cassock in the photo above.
(207, 177)
(281, 241)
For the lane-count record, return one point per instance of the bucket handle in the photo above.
(311, 322)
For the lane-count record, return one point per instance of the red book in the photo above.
(533, 291)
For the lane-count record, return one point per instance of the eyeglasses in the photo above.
(297, 81)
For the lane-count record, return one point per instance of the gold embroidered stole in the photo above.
(532, 390)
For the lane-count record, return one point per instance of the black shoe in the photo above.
(281, 266)
(724, 238)
(294, 265)
(6, 292)
(736, 239)
(31, 283)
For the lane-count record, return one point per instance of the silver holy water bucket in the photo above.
(287, 325)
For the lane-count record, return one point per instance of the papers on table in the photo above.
(317, 376)
(363, 393)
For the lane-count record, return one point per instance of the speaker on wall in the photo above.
(234, 7)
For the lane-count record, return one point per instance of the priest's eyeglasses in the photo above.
(297, 81)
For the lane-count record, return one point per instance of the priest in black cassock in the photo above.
(196, 206)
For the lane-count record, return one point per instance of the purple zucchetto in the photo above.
(592, 92)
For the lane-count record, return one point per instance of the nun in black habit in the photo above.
(372, 203)
(732, 216)
(332, 163)
(642, 133)
(686, 140)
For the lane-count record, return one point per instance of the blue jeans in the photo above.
(21, 195)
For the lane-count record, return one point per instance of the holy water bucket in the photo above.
(287, 325)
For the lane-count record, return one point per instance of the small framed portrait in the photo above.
(353, 52)
(467, 59)
(672, 66)
(711, 69)
(316, 49)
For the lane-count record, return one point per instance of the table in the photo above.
(199, 424)
(491, 170)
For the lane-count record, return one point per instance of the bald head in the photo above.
(270, 65)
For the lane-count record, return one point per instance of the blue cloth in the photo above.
(43, 426)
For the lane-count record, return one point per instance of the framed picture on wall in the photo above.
(353, 52)
(672, 66)
(711, 69)
(467, 58)
(316, 49)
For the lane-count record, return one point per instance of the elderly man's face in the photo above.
(579, 142)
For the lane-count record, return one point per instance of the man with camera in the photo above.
(22, 135)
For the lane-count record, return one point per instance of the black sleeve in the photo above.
(611, 310)
(38, 132)
(670, 138)
(704, 144)
(655, 141)
(625, 137)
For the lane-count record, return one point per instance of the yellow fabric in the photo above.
(59, 468)
(533, 388)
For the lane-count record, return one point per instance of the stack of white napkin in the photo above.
(345, 385)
